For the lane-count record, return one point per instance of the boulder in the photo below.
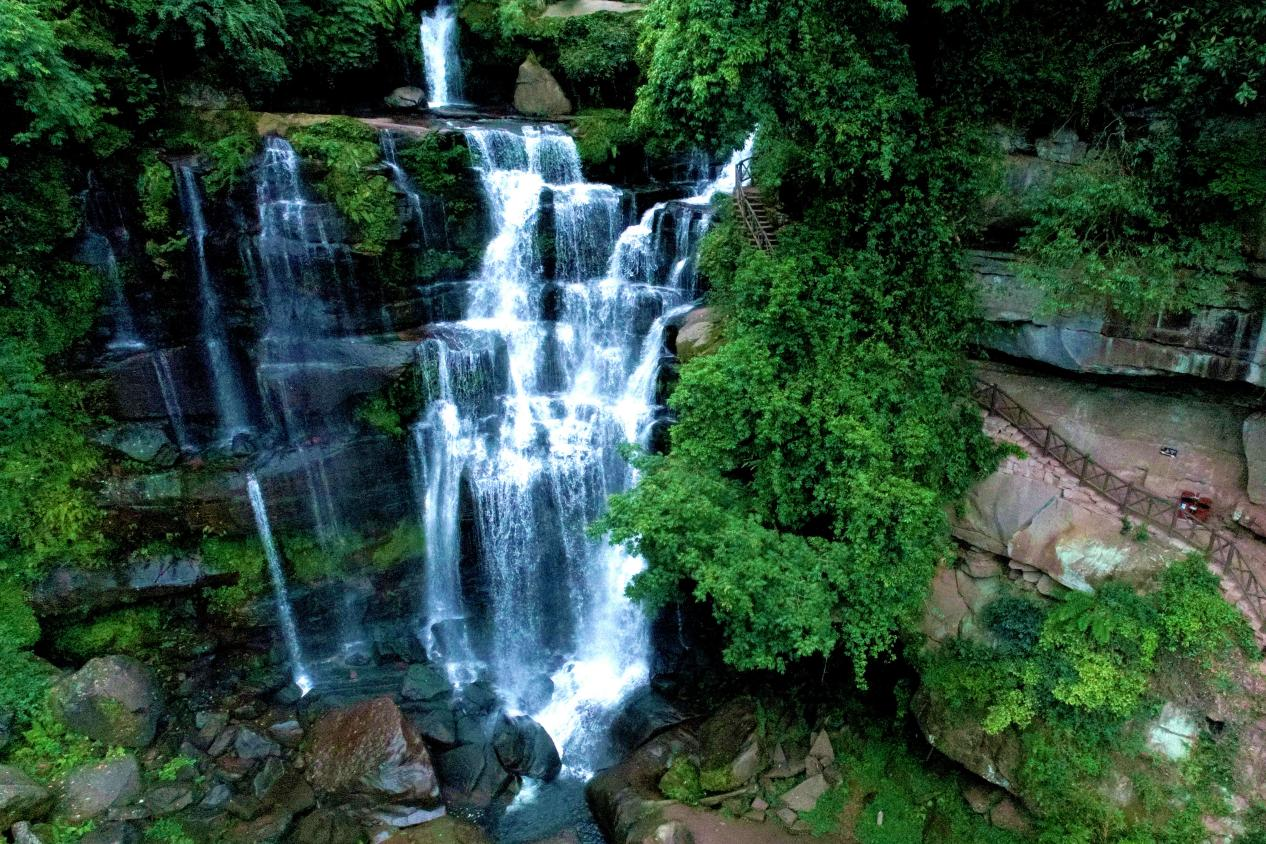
(473, 777)
(168, 799)
(142, 442)
(731, 753)
(89, 790)
(643, 716)
(112, 699)
(994, 758)
(537, 93)
(327, 826)
(525, 748)
(407, 96)
(1254, 433)
(369, 757)
(698, 334)
(249, 744)
(113, 833)
(422, 682)
(479, 698)
(445, 830)
(803, 797)
(24, 834)
(21, 798)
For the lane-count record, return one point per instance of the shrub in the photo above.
(681, 781)
(344, 150)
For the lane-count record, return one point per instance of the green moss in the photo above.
(344, 150)
(394, 407)
(168, 831)
(244, 557)
(681, 781)
(47, 750)
(129, 631)
(407, 541)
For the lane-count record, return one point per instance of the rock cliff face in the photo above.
(1222, 341)
(1032, 529)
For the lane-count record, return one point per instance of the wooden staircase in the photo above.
(757, 218)
(1240, 583)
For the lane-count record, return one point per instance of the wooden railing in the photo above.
(751, 209)
(1160, 513)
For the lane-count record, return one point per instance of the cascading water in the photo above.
(422, 210)
(303, 272)
(171, 398)
(106, 236)
(438, 35)
(285, 614)
(530, 396)
(229, 402)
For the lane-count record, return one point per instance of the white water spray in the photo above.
(285, 614)
(438, 34)
(527, 411)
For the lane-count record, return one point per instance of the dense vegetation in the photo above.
(804, 497)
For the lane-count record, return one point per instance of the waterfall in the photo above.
(284, 613)
(530, 396)
(171, 398)
(422, 210)
(103, 230)
(304, 284)
(438, 34)
(229, 401)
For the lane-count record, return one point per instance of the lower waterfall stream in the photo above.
(529, 389)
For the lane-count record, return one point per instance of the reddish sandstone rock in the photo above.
(371, 758)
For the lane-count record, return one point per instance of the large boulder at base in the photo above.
(697, 335)
(327, 826)
(89, 790)
(995, 758)
(408, 96)
(525, 748)
(113, 833)
(21, 798)
(113, 699)
(473, 777)
(369, 757)
(445, 830)
(537, 93)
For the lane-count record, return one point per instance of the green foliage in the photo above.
(160, 216)
(437, 165)
(1016, 623)
(814, 453)
(598, 55)
(246, 558)
(1196, 622)
(231, 155)
(406, 542)
(1076, 697)
(46, 511)
(130, 631)
(1101, 239)
(172, 768)
(394, 407)
(601, 133)
(47, 750)
(168, 831)
(681, 781)
(345, 149)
